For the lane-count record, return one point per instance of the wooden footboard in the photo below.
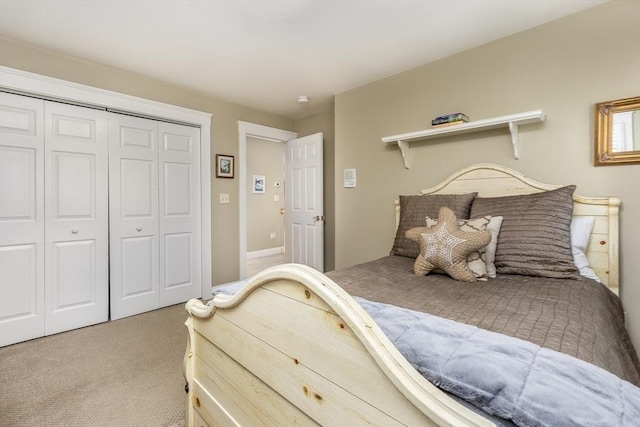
(292, 348)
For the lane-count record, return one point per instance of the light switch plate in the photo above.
(349, 178)
(224, 198)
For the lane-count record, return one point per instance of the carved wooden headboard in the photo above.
(490, 180)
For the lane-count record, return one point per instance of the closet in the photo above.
(99, 216)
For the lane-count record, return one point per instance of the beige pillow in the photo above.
(476, 260)
(445, 246)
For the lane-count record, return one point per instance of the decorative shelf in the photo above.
(512, 121)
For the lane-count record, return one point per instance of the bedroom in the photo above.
(562, 67)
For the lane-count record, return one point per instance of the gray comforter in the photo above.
(506, 376)
(580, 318)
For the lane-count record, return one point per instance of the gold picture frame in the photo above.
(617, 132)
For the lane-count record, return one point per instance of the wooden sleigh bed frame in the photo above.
(293, 348)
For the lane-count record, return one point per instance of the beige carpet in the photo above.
(122, 373)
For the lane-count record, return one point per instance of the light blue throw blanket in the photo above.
(505, 376)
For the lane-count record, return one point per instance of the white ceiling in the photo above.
(264, 54)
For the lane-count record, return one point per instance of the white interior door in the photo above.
(133, 220)
(180, 241)
(76, 217)
(21, 218)
(304, 214)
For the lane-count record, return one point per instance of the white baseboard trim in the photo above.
(265, 252)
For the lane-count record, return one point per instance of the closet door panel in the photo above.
(179, 213)
(74, 280)
(76, 210)
(138, 265)
(21, 218)
(17, 182)
(137, 188)
(133, 195)
(18, 266)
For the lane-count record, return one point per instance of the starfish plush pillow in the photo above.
(445, 246)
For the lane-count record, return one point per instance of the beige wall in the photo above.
(265, 158)
(563, 68)
(224, 131)
(324, 122)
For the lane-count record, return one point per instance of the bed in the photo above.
(293, 346)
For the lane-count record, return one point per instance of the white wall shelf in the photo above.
(512, 121)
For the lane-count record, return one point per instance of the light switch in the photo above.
(276, 198)
(224, 198)
(349, 178)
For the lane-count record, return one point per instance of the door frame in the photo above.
(266, 133)
(23, 82)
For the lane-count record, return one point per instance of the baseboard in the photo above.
(265, 252)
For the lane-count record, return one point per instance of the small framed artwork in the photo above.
(258, 184)
(224, 166)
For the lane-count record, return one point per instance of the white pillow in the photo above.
(490, 254)
(581, 227)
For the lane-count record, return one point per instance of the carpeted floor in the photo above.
(122, 373)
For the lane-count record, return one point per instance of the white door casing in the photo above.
(76, 217)
(304, 211)
(180, 237)
(21, 218)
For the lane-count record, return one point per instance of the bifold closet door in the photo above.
(76, 217)
(53, 218)
(133, 207)
(154, 214)
(179, 154)
(21, 218)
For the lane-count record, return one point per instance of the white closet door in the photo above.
(21, 218)
(76, 217)
(179, 214)
(133, 207)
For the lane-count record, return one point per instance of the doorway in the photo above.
(304, 205)
(265, 197)
(250, 131)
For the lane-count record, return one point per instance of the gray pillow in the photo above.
(535, 236)
(414, 209)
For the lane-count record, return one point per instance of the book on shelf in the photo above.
(456, 123)
(449, 118)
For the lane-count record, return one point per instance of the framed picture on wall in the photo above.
(224, 166)
(259, 184)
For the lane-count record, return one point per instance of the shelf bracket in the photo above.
(513, 129)
(406, 153)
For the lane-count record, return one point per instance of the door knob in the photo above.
(318, 218)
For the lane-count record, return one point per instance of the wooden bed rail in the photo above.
(293, 348)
